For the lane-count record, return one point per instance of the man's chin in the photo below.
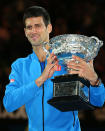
(36, 44)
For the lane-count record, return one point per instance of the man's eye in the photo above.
(29, 27)
(38, 25)
(35, 26)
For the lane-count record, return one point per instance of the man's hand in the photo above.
(51, 67)
(83, 69)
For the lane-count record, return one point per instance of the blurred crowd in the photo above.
(86, 17)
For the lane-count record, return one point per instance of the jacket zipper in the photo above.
(43, 106)
(42, 96)
(74, 119)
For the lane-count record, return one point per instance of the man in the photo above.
(30, 79)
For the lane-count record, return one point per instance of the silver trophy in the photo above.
(68, 90)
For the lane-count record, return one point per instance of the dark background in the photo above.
(86, 17)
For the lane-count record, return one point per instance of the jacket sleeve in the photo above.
(97, 95)
(17, 94)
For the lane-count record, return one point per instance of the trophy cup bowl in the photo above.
(68, 90)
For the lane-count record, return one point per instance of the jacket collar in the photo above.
(34, 56)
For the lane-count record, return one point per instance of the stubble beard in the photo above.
(35, 43)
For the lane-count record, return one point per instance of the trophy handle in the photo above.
(47, 52)
(99, 42)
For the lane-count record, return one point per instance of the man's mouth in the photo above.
(34, 37)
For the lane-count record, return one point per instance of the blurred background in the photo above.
(86, 17)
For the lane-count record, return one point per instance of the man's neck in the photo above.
(41, 54)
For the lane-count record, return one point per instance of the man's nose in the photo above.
(34, 29)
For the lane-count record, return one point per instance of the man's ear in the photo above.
(49, 27)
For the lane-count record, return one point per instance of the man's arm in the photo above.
(86, 70)
(51, 67)
(17, 94)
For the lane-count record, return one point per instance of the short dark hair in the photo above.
(36, 11)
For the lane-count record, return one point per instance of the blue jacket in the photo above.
(22, 90)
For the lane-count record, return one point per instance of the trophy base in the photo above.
(70, 103)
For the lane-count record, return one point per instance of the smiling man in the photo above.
(30, 79)
(36, 31)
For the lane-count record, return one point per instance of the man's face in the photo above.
(36, 31)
